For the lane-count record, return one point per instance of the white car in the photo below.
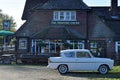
(79, 60)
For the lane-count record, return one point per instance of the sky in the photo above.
(15, 8)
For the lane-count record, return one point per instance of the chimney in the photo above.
(114, 7)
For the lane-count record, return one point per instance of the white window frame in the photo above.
(81, 43)
(64, 16)
(23, 43)
(116, 46)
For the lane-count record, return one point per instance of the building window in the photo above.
(93, 47)
(23, 43)
(64, 16)
(118, 50)
(117, 47)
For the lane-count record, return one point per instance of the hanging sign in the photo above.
(6, 25)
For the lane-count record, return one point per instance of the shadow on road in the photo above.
(93, 75)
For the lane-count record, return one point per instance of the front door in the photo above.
(98, 48)
(102, 49)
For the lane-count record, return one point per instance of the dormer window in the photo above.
(64, 16)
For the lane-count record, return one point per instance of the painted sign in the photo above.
(66, 22)
(6, 25)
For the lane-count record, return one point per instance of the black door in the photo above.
(102, 49)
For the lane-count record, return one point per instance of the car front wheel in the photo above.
(63, 69)
(103, 69)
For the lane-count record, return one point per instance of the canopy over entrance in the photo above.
(6, 33)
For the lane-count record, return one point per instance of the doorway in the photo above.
(98, 48)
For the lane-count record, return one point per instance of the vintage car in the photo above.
(79, 60)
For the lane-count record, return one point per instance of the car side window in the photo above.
(70, 54)
(82, 55)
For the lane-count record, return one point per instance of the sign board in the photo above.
(66, 22)
(6, 25)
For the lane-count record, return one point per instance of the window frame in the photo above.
(66, 15)
(23, 43)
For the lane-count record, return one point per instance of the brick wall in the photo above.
(42, 19)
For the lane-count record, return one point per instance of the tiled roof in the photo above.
(64, 4)
(114, 25)
(32, 5)
(104, 12)
(58, 33)
(101, 11)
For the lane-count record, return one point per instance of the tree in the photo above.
(6, 17)
(12, 23)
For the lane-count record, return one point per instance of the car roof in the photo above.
(75, 50)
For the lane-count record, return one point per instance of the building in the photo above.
(54, 25)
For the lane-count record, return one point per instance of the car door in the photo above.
(70, 60)
(84, 60)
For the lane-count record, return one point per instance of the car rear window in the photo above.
(70, 54)
(83, 55)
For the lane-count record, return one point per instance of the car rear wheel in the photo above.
(63, 69)
(103, 69)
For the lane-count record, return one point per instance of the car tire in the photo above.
(103, 69)
(63, 69)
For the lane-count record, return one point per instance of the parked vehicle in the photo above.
(79, 60)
